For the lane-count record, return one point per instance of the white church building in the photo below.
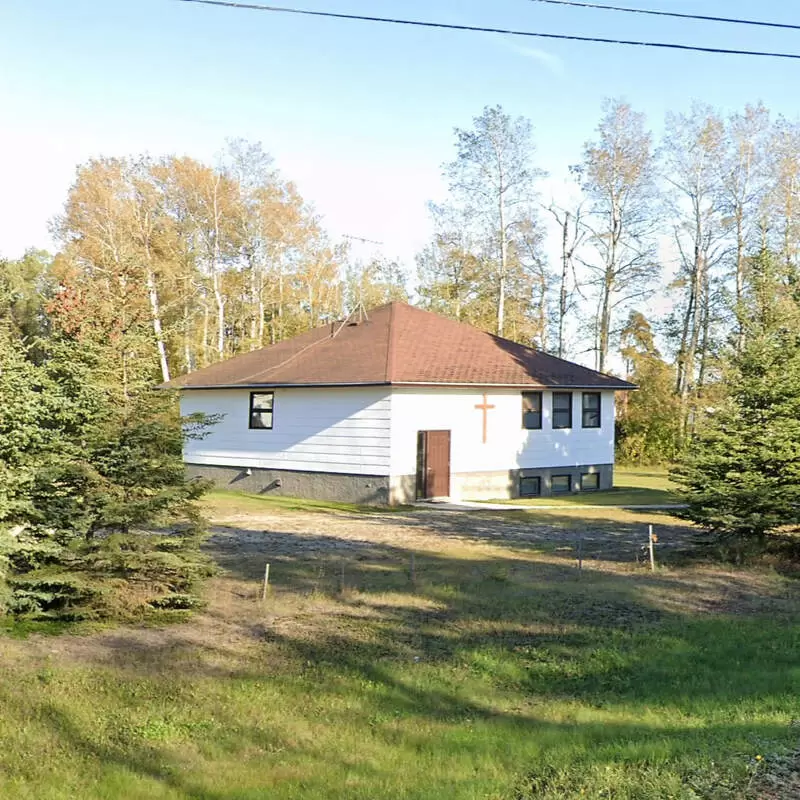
(402, 405)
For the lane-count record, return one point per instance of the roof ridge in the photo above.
(390, 343)
(419, 347)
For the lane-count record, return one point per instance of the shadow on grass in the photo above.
(588, 634)
(561, 534)
(559, 675)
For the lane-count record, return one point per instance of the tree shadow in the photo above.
(393, 602)
(598, 539)
(444, 640)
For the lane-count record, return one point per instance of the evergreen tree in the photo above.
(741, 472)
(89, 471)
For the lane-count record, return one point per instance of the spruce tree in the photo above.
(741, 472)
(97, 516)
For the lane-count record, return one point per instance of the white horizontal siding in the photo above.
(344, 430)
(508, 445)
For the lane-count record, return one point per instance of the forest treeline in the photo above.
(165, 265)
(176, 264)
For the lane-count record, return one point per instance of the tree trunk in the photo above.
(254, 305)
(187, 340)
(563, 295)
(740, 259)
(215, 277)
(501, 293)
(220, 302)
(206, 329)
(155, 313)
(261, 311)
(682, 370)
(705, 335)
(609, 276)
(694, 337)
(277, 330)
(604, 335)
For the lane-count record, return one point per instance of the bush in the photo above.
(109, 577)
(90, 469)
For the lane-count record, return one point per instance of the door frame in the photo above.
(423, 489)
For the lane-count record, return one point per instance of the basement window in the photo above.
(530, 487)
(261, 407)
(590, 481)
(561, 484)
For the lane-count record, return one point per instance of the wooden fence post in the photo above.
(651, 539)
(266, 583)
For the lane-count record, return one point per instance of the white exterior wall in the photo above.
(508, 445)
(340, 430)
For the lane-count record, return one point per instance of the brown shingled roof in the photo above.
(397, 344)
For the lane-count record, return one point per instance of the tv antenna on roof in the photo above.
(360, 239)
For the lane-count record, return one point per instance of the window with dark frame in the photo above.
(590, 481)
(532, 411)
(561, 484)
(261, 407)
(530, 486)
(562, 410)
(591, 410)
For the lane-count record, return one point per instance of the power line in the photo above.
(675, 14)
(479, 29)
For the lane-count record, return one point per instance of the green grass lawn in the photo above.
(223, 500)
(500, 673)
(632, 486)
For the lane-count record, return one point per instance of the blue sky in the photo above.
(359, 115)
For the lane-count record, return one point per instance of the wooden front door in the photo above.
(433, 464)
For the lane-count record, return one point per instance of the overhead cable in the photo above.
(482, 29)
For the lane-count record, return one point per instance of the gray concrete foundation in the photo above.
(400, 489)
(546, 475)
(505, 484)
(335, 487)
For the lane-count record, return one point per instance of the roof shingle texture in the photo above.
(398, 344)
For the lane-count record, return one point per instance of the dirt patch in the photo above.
(778, 778)
(307, 551)
(302, 533)
(215, 641)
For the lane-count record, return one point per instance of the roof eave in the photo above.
(279, 385)
(623, 386)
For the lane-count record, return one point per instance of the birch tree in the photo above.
(784, 194)
(693, 150)
(449, 268)
(745, 175)
(206, 201)
(492, 176)
(571, 235)
(618, 177)
(147, 225)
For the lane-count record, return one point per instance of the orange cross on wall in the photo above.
(485, 406)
